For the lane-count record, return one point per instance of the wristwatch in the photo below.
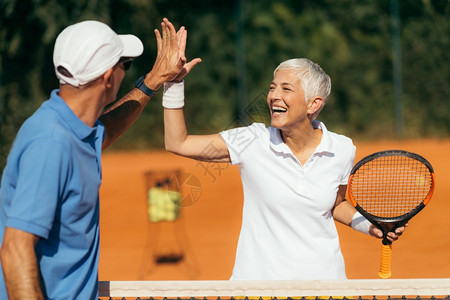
(145, 89)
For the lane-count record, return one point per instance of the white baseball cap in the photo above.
(86, 50)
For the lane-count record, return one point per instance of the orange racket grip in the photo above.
(385, 264)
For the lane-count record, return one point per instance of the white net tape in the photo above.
(425, 288)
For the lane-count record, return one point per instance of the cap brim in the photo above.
(132, 45)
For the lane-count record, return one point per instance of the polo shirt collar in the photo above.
(325, 143)
(277, 144)
(80, 129)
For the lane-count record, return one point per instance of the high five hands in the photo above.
(171, 63)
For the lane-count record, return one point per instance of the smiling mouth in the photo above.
(278, 110)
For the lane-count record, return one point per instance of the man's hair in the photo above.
(314, 80)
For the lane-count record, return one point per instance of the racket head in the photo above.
(391, 186)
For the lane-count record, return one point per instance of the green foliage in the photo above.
(240, 43)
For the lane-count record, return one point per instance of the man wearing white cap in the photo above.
(49, 196)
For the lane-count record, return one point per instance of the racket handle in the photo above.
(385, 264)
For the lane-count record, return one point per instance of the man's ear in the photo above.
(314, 104)
(107, 77)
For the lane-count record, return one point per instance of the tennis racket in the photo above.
(389, 188)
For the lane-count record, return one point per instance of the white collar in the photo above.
(277, 144)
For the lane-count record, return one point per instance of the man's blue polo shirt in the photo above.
(50, 188)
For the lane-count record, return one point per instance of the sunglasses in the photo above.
(126, 62)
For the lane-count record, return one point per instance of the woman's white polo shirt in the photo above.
(288, 231)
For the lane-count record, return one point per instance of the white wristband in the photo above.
(360, 223)
(173, 95)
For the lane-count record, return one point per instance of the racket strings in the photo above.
(391, 186)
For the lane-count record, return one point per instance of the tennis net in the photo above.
(360, 289)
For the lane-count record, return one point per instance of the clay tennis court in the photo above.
(209, 227)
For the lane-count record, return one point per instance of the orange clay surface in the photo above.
(206, 234)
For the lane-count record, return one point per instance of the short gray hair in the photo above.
(314, 80)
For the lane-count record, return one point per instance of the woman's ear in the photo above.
(314, 104)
